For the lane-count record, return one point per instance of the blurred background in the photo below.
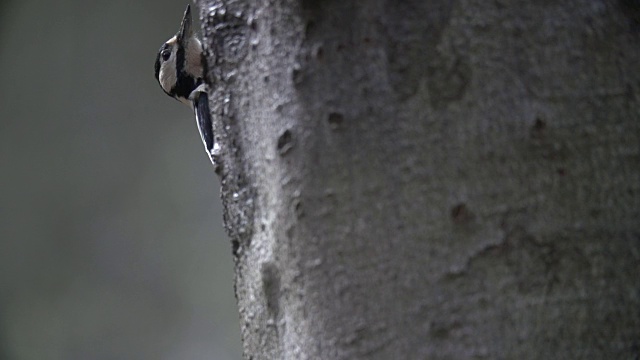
(111, 242)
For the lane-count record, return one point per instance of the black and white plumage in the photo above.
(180, 69)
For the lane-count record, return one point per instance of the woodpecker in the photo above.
(180, 69)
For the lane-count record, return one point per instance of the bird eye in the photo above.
(166, 54)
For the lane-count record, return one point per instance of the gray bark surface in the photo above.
(430, 179)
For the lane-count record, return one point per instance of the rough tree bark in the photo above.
(430, 179)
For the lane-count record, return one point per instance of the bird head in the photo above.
(180, 62)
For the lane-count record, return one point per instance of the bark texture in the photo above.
(430, 179)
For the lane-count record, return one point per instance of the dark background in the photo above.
(111, 245)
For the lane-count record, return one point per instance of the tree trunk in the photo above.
(430, 179)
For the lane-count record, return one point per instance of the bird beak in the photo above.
(185, 27)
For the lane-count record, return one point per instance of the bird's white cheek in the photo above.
(168, 74)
